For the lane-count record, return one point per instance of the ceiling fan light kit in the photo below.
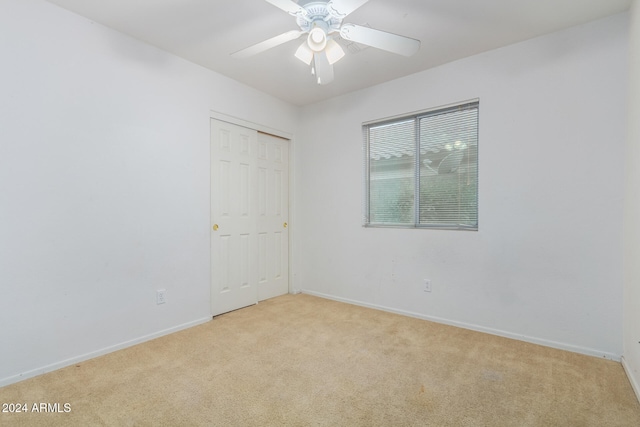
(334, 51)
(304, 54)
(320, 20)
(317, 39)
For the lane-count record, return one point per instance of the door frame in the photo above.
(292, 223)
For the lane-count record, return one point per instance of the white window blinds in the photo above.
(422, 170)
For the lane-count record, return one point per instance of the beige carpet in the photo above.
(305, 361)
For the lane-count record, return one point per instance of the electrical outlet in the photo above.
(161, 296)
(427, 285)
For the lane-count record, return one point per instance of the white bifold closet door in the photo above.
(249, 214)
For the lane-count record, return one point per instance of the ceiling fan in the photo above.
(321, 20)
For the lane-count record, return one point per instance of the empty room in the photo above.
(327, 213)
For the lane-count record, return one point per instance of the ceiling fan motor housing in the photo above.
(318, 16)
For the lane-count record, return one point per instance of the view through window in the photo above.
(422, 170)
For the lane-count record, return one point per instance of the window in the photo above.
(422, 170)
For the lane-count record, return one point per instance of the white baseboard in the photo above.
(533, 340)
(635, 381)
(68, 362)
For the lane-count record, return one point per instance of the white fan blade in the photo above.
(268, 44)
(380, 39)
(324, 70)
(341, 8)
(289, 6)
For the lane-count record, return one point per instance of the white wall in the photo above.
(104, 186)
(632, 210)
(546, 263)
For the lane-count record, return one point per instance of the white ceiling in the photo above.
(206, 32)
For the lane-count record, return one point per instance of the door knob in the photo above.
(285, 225)
(215, 227)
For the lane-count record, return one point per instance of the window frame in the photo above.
(415, 117)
